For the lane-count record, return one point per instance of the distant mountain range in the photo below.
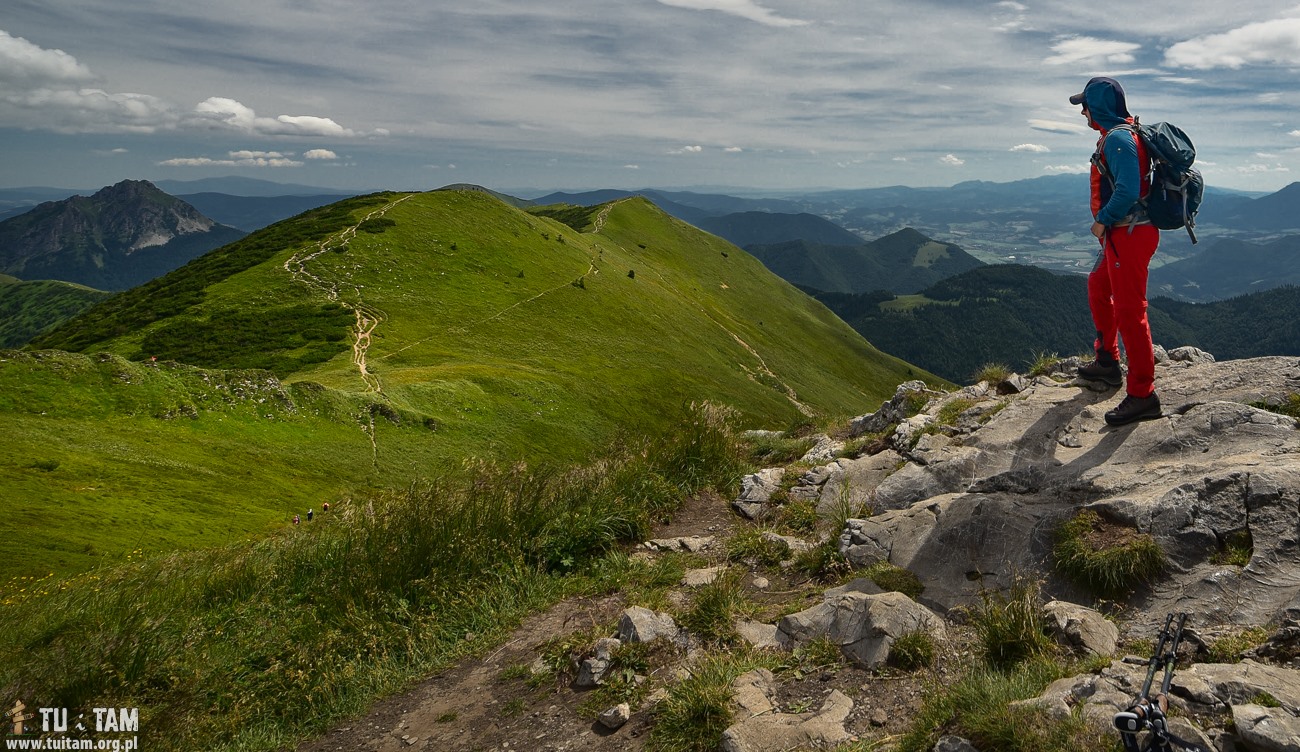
(122, 236)
(1010, 314)
(1228, 268)
(903, 262)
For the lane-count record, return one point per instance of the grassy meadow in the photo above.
(494, 333)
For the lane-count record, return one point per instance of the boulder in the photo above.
(1082, 628)
(639, 624)
(864, 626)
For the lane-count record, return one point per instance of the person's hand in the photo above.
(1098, 229)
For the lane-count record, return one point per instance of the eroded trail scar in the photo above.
(367, 317)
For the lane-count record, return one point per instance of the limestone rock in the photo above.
(954, 744)
(764, 730)
(1267, 729)
(639, 624)
(615, 717)
(691, 544)
(1082, 628)
(969, 514)
(893, 411)
(591, 671)
(863, 626)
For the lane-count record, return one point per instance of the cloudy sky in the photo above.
(571, 94)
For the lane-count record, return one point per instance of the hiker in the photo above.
(295, 519)
(325, 507)
(1117, 286)
(309, 515)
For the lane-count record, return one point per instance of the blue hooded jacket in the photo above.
(1107, 108)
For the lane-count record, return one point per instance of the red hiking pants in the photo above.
(1117, 295)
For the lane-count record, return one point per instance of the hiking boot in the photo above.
(1109, 373)
(1134, 408)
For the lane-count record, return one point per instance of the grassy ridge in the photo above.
(500, 334)
(254, 645)
(29, 308)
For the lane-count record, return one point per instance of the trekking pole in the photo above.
(1147, 713)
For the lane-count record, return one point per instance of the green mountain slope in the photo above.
(29, 308)
(903, 262)
(437, 326)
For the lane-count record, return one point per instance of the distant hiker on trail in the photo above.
(1117, 286)
(295, 519)
(325, 507)
(309, 515)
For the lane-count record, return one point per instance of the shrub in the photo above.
(1106, 559)
(1010, 626)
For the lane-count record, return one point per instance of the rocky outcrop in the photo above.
(980, 499)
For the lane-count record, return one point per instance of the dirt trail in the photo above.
(368, 318)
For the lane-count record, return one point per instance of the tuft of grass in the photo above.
(714, 609)
(913, 650)
(1236, 549)
(799, 517)
(750, 545)
(1229, 647)
(1106, 559)
(894, 578)
(1290, 406)
(823, 562)
(1010, 626)
(993, 373)
(1043, 363)
(979, 707)
(698, 709)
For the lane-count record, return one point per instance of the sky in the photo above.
(763, 95)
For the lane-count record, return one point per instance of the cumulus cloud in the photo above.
(1254, 169)
(24, 63)
(1066, 169)
(631, 167)
(733, 150)
(1093, 51)
(1036, 148)
(744, 8)
(236, 115)
(1275, 42)
(687, 150)
(952, 160)
(320, 154)
(242, 158)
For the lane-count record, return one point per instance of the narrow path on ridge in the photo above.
(368, 318)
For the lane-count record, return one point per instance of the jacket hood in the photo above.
(1105, 100)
